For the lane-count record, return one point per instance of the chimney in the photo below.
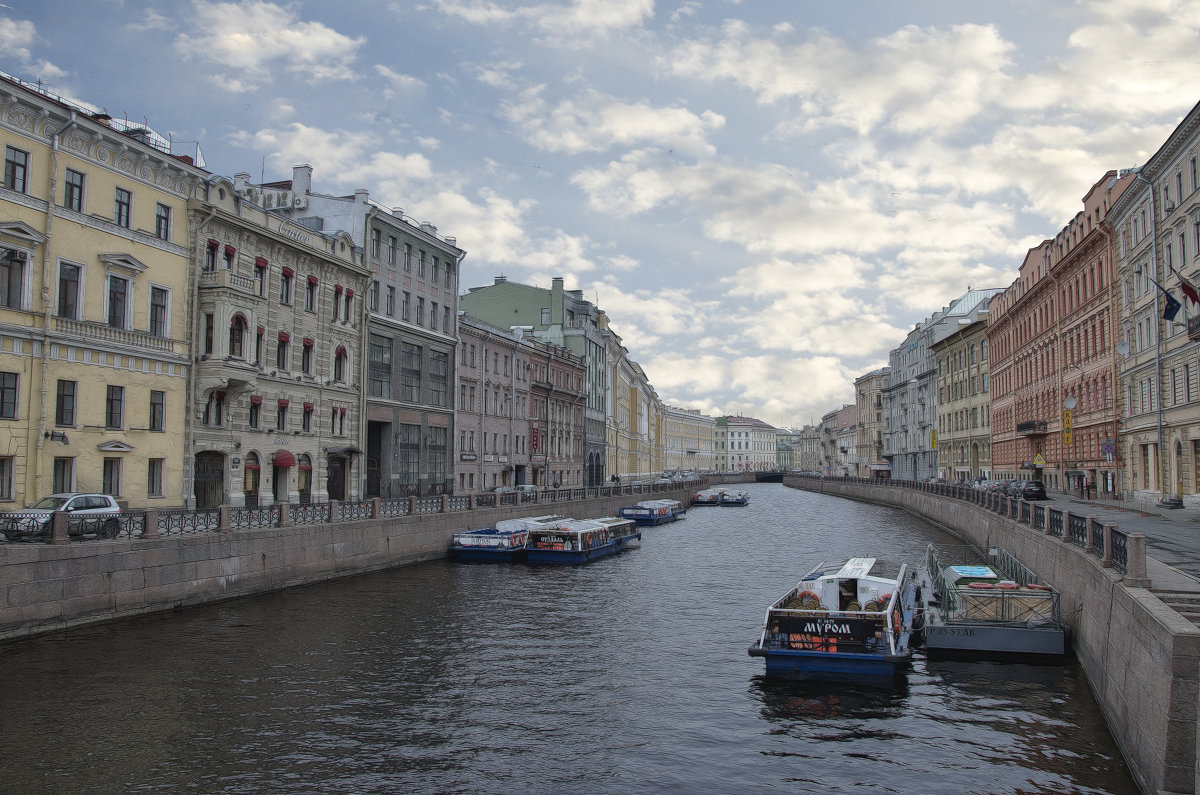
(398, 212)
(360, 196)
(302, 179)
(501, 279)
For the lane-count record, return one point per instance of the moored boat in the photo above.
(707, 497)
(504, 542)
(653, 512)
(735, 497)
(988, 607)
(846, 620)
(577, 541)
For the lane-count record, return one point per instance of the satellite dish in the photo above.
(1123, 348)
(1070, 403)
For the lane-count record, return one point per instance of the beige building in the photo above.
(635, 449)
(963, 404)
(1157, 239)
(868, 459)
(750, 444)
(94, 295)
(279, 325)
(688, 439)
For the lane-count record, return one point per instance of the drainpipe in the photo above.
(34, 461)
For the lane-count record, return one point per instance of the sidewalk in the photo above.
(1172, 534)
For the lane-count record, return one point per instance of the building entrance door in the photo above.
(209, 480)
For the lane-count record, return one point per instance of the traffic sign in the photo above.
(1039, 461)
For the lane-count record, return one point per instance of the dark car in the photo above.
(1031, 490)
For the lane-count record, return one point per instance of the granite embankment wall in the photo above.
(47, 587)
(1141, 657)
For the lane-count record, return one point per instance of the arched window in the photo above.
(339, 364)
(237, 333)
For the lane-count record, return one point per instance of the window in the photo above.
(339, 365)
(446, 318)
(408, 257)
(349, 298)
(64, 404)
(281, 354)
(73, 191)
(421, 263)
(420, 311)
(306, 359)
(373, 296)
(162, 222)
(337, 301)
(112, 477)
(376, 241)
(210, 257)
(158, 312)
(237, 335)
(438, 369)
(154, 477)
(118, 293)
(447, 283)
(433, 315)
(68, 290)
(260, 276)
(114, 408)
(6, 478)
(258, 345)
(229, 258)
(64, 474)
(310, 296)
(408, 458)
(306, 418)
(158, 410)
(122, 204)
(208, 332)
(410, 373)
(12, 279)
(16, 169)
(8, 396)
(380, 367)
(391, 301)
(255, 410)
(391, 250)
(281, 417)
(285, 288)
(433, 271)
(404, 306)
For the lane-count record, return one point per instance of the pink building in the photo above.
(1053, 363)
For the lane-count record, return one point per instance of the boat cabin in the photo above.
(864, 584)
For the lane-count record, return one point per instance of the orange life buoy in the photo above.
(1008, 586)
(1038, 586)
(981, 586)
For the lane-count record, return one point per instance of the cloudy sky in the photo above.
(764, 195)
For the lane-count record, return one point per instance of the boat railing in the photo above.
(1014, 607)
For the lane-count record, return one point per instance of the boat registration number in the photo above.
(844, 627)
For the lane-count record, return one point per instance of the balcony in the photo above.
(230, 280)
(1194, 327)
(104, 334)
(1032, 428)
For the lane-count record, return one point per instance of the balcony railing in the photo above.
(104, 333)
(223, 278)
(1031, 427)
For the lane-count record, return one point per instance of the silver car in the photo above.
(88, 514)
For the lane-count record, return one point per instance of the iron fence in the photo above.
(1077, 530)
(177, 521)
(363, 509)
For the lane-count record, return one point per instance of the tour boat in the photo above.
(707, 497)
(848, 620)
(504, 542)
(989, 607)
(577, 541)
(734, 497)
(653, 512)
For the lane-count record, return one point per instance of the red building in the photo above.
(1053, 362)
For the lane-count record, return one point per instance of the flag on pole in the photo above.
(1172, 307)
(1186, 287)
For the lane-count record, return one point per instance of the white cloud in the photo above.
(399, 84)
(595, 122)
(245, 41)
(575, 18)
(16, 38)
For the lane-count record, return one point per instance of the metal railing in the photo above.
(1105, 541)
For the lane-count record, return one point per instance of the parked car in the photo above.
(34, 521)
(1032, 490)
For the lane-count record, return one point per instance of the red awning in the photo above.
(349, 293)
(284, 403)
(341, 350)
(230, 250)
(312, 279)
(256, 400)
(214, 243)
(260, 262)
(309, 342)
(288, 271)
(283, 458)
(337, 288)
(284, 336)
(308, 407)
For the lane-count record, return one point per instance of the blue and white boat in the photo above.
(653, 512)
(707, 497)
(734, 497)
(848, 620)
(573, 542)
(502, 543)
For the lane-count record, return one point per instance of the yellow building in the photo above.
(687, 439)
(94, 344)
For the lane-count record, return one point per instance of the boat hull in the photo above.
(487, 554)
(826, 666)
(969, 639)
(579, 557)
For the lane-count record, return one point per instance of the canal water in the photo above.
(629, 675)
